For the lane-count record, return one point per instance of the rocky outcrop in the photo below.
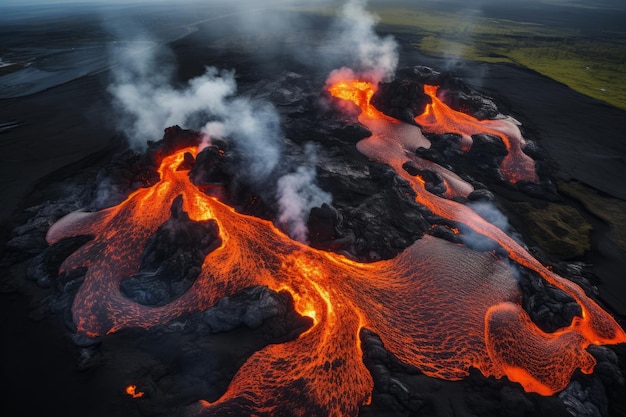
(172, 259)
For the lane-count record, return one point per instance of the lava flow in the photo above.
(518, 361)
(409, 300)
(439, 118)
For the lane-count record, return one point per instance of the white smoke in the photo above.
(488, 211)
(491, 213)
(297, 194)
(147, 102)
(460, 49)
(357, 38)
(254, 126)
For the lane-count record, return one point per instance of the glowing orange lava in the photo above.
(535, 362)
(409, 300)
(439, 118)
(132, 391)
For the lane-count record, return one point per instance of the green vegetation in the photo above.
(594, 65)
(558, 229)
(610, 209)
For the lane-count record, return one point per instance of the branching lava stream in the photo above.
(409, 300)
(439, 118)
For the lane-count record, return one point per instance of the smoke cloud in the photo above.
(297, 194)
(493, 215)
(147, 101)
(370, 52)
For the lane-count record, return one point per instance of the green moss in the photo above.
(611, 210)
(580, 69)
(458, 49)
(558, 229)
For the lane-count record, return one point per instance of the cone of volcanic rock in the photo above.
(172, 259)
(174, 139)
(209, 167)
(402, 99)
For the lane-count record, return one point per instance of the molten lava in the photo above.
(132, 391)
(409, 300)
(506, 321)
(439, 118)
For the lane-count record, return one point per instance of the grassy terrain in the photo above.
(558, 229)
(609, 209)
(593, 64)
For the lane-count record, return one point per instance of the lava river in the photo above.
(439, 306)
(439, 118)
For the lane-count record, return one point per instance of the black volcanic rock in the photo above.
(447, 146)
(128, 171)
(608, 366)
(174, 139)
(473, 104)
(327, 230)
(482, 194)
(402, 390)
(195, 356)
(487, 146)
(209, 167)
(44, 267)
(188, 162)
(421, 73)
(250, 307)
(549, 307)
(585, 399)
(455, 92)
(402, 99)
(172, 258)
(372, 218)
(443, 232)
(433, 181)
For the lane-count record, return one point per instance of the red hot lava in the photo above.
(439, 118)
(505, 319)
(132, 391)
(406, 300)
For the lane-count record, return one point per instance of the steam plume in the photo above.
(147, 102)
(370, 52)
(493, 215)
(297, 194)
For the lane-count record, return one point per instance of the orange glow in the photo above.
(537, 362)
(132, 391)
(439, 118)
(407, 300)
(360, 93)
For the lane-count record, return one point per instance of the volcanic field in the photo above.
(376, 259)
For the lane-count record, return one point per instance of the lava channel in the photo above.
(439, 118)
